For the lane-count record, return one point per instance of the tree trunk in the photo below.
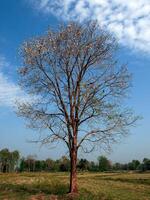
(73, 171)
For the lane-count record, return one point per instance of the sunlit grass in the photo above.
(100, 186)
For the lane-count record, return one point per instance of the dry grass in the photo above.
(92, 186)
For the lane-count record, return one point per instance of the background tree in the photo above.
(133, 165)
(38, 165)
(30, 162)
(5, 160)
(14, 158)
(50, 165)
(117, 166)
(146, 164)
(22, 166)
(93, 166)
(64, 164)
(8, 160)
(104, 164)
(83, 164)
(78, 88)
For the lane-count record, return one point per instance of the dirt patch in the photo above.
(37, 197)
(43, 197)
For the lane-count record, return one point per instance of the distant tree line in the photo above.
(11, 161)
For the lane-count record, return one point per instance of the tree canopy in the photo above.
(79, 88)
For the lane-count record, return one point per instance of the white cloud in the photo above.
(129, 20)
(9, 91)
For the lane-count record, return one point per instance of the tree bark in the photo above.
(73, 171)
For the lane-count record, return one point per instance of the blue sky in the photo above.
(24, 19)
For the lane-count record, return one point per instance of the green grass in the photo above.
(92, 186)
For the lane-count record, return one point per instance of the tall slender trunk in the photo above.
(73, 171)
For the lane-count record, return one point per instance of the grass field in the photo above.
(92, 186)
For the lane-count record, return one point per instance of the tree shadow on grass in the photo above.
(60, 190)
(56, 189)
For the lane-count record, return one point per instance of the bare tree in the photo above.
(79, 89)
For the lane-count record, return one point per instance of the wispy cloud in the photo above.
(128, 20)
(9, 91)
(3, 62)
